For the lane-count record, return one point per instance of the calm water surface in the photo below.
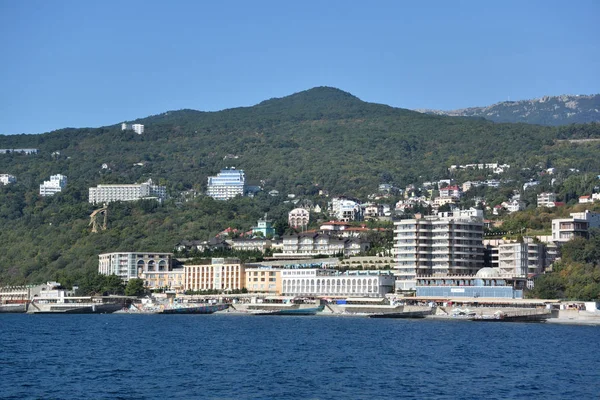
(268, 357)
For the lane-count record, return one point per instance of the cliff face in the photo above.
(548, 110)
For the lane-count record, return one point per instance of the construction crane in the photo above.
(94, 218)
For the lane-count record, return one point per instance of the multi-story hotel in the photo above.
(312, 244)
(447, 244)
(221, 274)
(298, 217)
(131, 192)
(566, 229)
(6, 179)
(56, 184)
(130, 265)
(170, 280)
(263, 279)
(327, 282)
(137, 128)
(227, 184)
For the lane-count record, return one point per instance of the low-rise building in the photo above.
(328, 282)
(221, 274)
(546, 199)
(263, 279)
(169, 280)
(130, 265)
(126, 192)
(7, 179)
(298, 218)
(313, 244)
(55, 185)
(250, 244)
(578, 225)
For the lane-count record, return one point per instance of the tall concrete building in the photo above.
(221, 274)
(228, 184)
(56, 184)
(137, 128)
(130, 265)
(128, 192)
(446, 244)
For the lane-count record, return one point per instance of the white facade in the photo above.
(298, 217)
(345, 209)
(137, 128)
(546, 199)
(220, 274)
(312, 245)
(131, 192)
(320, 282)
(228, 184)
(56, 184)
(131, 265)
(449, 244)
(7, 179)
(520, 259)
(566, 229)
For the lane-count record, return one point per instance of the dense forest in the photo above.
(320, 139)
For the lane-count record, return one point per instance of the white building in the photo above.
(7, 179)
(546, 199)
(447, 244)
(56, 184)
(565, 229)
(310, 245)
(128, 192)
(228, 184)
(345, 209)
(130, 265)
(137, 128)
(298, 217)
(520, 259)
(327, 282)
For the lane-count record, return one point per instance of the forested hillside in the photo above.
(322, 138)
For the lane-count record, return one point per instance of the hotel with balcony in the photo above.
(220, 274)
(446, 244)
(228, 184)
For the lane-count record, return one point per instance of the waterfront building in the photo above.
(171, 280)
(448, 244)
(298, 218)
(6, 179)
(263, 279)
(126, 192)
(228, 184)
(329, 282)
(130, 265)
(56, 184)
(220, 274)
(565, 229)
(487, 283)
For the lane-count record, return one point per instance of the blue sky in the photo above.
(79, 63)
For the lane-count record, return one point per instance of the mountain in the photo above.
(548, 110)
(322, 138)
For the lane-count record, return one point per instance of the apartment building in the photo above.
(546, 199)
(7, 179)
(228, 184)
(130, 265)
(446, 244)
(298, 218)
(221, 274)
(56, 184)
(126, 192)
(312, 244)
(578, 224)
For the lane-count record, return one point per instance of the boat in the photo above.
(13, 308)
(292, 311)
(72, 305)
(500, 316)
(403, 314)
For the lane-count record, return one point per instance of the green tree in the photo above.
(135, 287)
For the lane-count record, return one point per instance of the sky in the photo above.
(89, 64)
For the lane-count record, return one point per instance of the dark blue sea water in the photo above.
(268, 357)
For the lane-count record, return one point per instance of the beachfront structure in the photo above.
(298, 218)
(137, 128)
(578, 225)
(222, 274)
(7, 179)
(487, 283)
(130, 265)
(126, 192)
(228, 184)
(56, 184)
(329, 282)
(448, 244)
(263, 279)
(171, 280)
(308, 245)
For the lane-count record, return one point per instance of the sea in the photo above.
(220, 356)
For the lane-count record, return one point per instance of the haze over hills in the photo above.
(548, 110)
(322, 138)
